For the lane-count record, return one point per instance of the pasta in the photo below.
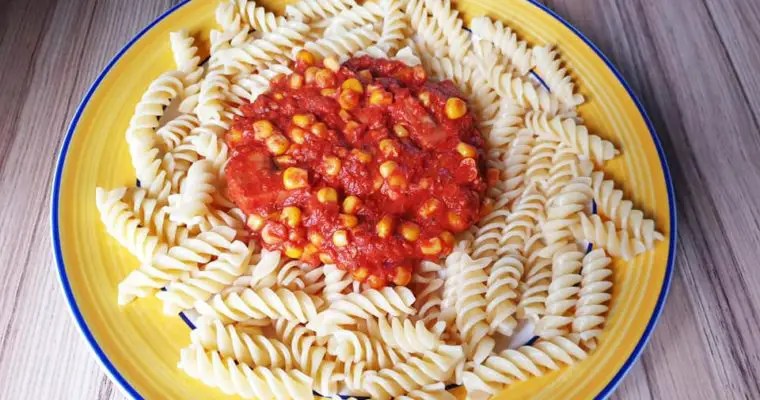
(290, 321)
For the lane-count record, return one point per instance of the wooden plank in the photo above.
(663, 48)
(80, 37)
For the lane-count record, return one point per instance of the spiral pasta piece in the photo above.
(310, 356)
(604, 234)
(458, 42)
(308, 10)
(436, 391)
(258, 18)
(233, 218)
(337, 283)
(566, 165)
(174, 131)
(501, 294)
(539, 163)
(179, 260)
(428, 286)
(396, 301)
(155, 217)
(511, 365)
(392, 33)
(272, 48)
(516, 164)
(264, 303)
(212, 279)
(408, 336)
(516, 51)
(428, 35)
(141, 133)
(251, 86)
(528, 214)
(536, 284)
(122, 224)
(351, 346)
(187, 60)
(195, 194)
(414, 373)
(175, 165)
(562, 294)
(563, 212)
(575, 136)
(471, 306)
(342, 46)
(244, 347)
(351, 18)
(208, 141)
(213, 98)
(611, 203)
(593, 296)
(240, 379)
(548, 64)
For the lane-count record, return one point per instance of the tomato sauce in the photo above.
(367, 165)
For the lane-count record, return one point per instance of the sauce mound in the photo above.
(366, 165)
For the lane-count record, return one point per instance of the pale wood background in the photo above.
(695, 63)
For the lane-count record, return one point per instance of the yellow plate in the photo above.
(139, 346)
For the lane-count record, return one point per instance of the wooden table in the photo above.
(695, 64)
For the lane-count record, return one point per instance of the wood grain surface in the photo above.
(694, 63)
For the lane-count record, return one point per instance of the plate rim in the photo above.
(128, 389)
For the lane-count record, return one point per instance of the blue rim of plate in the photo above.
(132, 392)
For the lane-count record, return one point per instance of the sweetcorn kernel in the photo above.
(332, 64)
(295, 81)
(360, 274)
(325, 78)
(376, 282)
(348, 221)
(429, 207)
(340, 238)
(424, 98)
(294, 252)
(467, 150)
(305, 57)
(332, 165)
(455, 108)
(361, 155)
(384, 227)
(387, 168)
(431, 247)
(456, 222)
(352, 84)
(410, 231)
(316, 238)
(255, 222)
(402, 276)
(388, 147)
(351, 204)
(291, 215)
(303, 120)
(262, 129)
(277, 144)
(400, 131)
(298, 135)
(295, 178)
(327, 195)
(447, 238)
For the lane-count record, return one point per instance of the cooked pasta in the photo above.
(279, 315)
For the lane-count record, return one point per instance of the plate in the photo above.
(139, 346)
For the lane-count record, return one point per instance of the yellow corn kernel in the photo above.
(456, 222)
(319, 129)
(352, 84)
(400, 131)
(309, 251)
(325, 258)
(295, 81)
(305, 57)
(380, 98)
(297, 135)
(466, 150)
(332, 64)
(410, 231)
(279, 96)
(362, 156)
(360, 274)
(424, 183)
(365, 75)
(351, 204)
(447, 238)
(424, 98)
(310, 75)
(327, 195)
(431, 247)
(277, 144)
(348, 99)
(429, 207)
(419, 73)
(384, 227)
(388, 147)
(348, 221)
(455, 108)
(332, 165)
(377, 183)
(328, 92)
(397, 181)
(325, 78)
(234, 136)
(387, 168)
(295, 178)
(344, 115)
(262, 129)
(340, 238)
(316, 238)
(376, 282)
(291, 215)
(255, 222)
(294, 252)
(303, 120)
(401, 276)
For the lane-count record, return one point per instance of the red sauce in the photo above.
(387, 141)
